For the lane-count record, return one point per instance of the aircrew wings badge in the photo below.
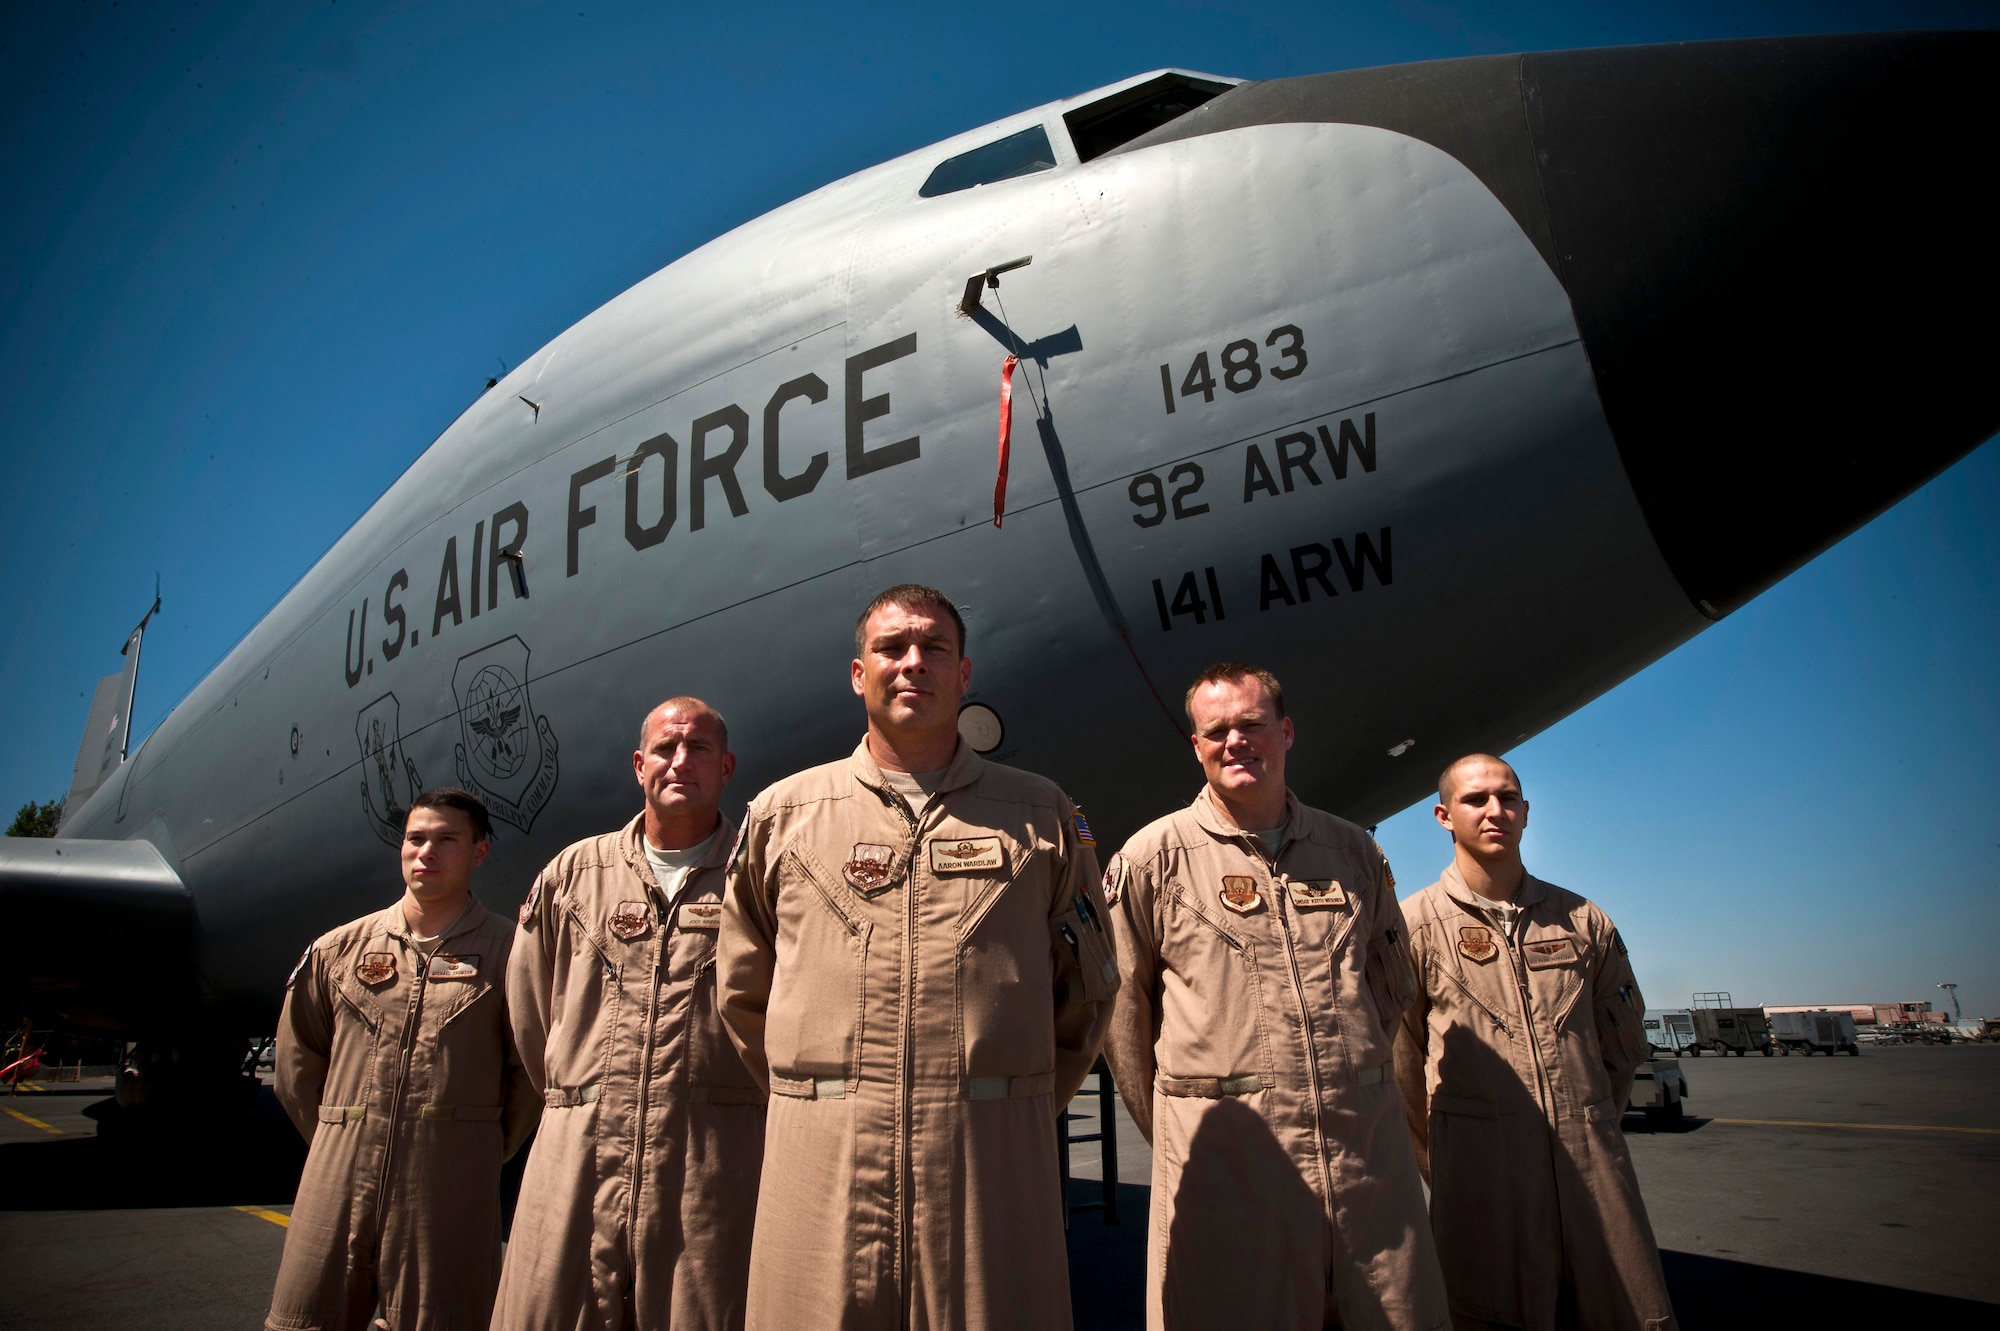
(1548, 952)
(1239, 893)
(1476, 942)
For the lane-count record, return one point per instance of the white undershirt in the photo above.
(672, 867)
(918, 789)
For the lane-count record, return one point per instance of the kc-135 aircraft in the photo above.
(1454, 392)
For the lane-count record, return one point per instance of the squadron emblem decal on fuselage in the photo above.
(389, 780)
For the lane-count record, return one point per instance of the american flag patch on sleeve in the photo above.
(1083, 832)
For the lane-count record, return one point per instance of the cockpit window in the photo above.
(1122, 117)
(1020, 154)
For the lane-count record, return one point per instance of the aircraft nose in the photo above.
(1780, 257)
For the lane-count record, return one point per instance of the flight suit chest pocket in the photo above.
(813, 1022)
(691, 945)
(1210, 992)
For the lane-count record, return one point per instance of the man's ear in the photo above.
(481, 850)
(854, 676)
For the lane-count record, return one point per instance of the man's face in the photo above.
(1486, 814)
(440, 851)
(1239, 736)
(683, 766)
(910, 674)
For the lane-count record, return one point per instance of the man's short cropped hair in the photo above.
(685, 703)
(1229, 672)
(467, 803)
(910, 596)
(1445, 788)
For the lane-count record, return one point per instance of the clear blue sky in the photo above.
(258, 257)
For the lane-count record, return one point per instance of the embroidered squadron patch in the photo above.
(304, 957)
(1476, 942)
(444, 966)
(868, 872)
(1114, 880)
(701, 915)
(736, 850)
(980, 854)
(1549, 952)
(375, 967)
(1239, 893)
(629, 920)
(1310, 893)
(534, 900)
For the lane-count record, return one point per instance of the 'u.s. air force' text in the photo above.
(654, 479)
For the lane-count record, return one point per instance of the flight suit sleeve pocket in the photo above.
(1079, 932)
(1392, 979)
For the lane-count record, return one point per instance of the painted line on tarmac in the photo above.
(277, 1218)
(32, 1121)
(1873, 1127)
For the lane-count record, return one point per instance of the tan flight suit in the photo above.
(923, 994)
(1516, 1062)
(642, 1185)
(403, 1076)
(1252, 1044)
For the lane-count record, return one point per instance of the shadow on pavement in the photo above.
(1717, 1292)
(251, 1157)
(1638, 1125)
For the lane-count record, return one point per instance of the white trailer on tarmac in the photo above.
(1825, 1032)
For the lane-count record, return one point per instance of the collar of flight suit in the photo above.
(964, 768)
(632, 845)
(1208, 815)
(391, 923)
(1533, 892)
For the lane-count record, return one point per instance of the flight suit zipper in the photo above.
(412, 1024)
(905, 1182)
(662, 958)
(1543, 1092)
(1281, 903)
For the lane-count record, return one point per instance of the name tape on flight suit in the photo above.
(981, 854)
(1549, 952)
(701, 915)
(444, 966)
(1315, 892)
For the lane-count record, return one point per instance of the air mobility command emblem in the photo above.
(868, 872)
(629, 920)
(1476, 942)
(1239, 893)
(375, 967)
(1549, 952)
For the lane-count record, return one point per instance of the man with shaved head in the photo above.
(1515, 1064)
(641, 1189)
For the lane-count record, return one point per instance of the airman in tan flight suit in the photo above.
(641, 1188)
(1263, 971)
(913, 960)
(1515, 1063)
(395, 1060)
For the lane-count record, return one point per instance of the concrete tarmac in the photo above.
(1846, 1191)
